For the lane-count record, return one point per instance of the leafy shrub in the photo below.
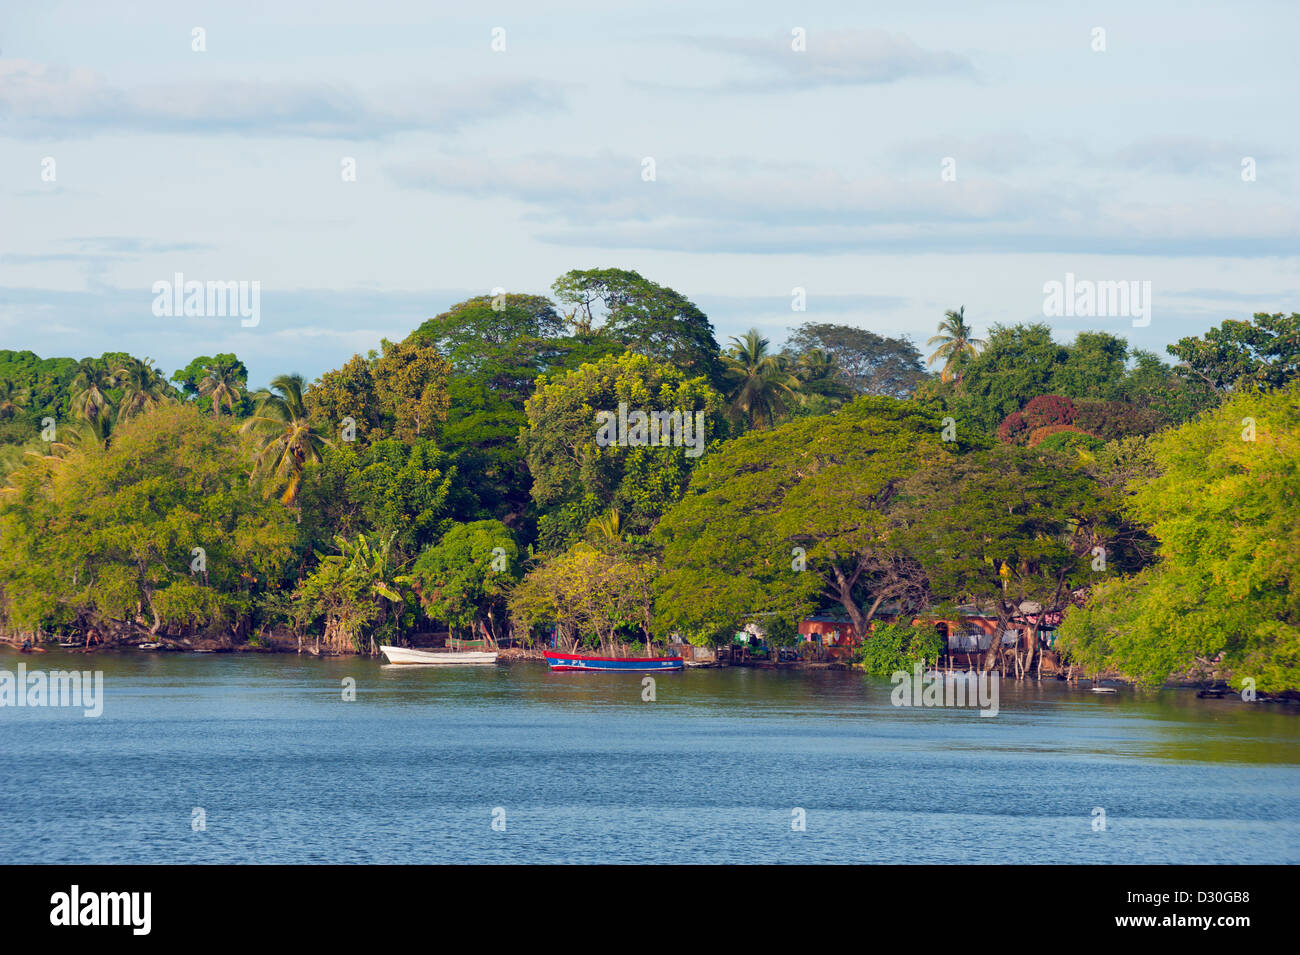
(1039, 435)
(1069, 439)
(780, 632)
(897, 646)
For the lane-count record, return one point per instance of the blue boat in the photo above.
(583, 661)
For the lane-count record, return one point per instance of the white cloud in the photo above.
(748, 206)
(40, 99)
(834, 58)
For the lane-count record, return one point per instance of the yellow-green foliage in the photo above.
(587, 592)
(568, 465)
(1225, 596)
(105, 538)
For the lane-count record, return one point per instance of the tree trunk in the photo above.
(844, 589)
(1033, 648)
(995, 645)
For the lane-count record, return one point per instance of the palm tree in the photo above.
(222, 383)
(90, 389)
(819, 374)
(11, 398)
(288, 440)
(956, 344)
(761, 382)
(143, 387)
(84, 435)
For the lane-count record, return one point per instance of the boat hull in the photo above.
(405, 655)
(580, 661)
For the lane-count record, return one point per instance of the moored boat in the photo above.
(585, 661)
(437, 657)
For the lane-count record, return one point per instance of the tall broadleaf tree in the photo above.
(869, 364)
(785, 520)
(1261, 353)
(649, 318)
(1223, 600)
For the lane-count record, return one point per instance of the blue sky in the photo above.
(774, 168)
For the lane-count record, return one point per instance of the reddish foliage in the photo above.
(1013, 429)
(1109, 420)
(1048, 410)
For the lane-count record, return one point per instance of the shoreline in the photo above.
(510, 655)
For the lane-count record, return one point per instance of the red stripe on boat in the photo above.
(579, 656)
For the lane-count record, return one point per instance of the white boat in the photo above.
(437, 657)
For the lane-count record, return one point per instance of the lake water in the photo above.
(582, 770)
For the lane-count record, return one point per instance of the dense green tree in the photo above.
(498, 347)
(389, 490)
(651, 319)
(224, 382)
(190, 378)
(822, 385)
(1160, 391)
(142, 387)
(12, 398)
(1001, 527)
(1022, 362)
(465, 579)
(92, 388)
(1224, 599)
(775, 522)
(1261, 353)
(107, 539)
(581, 469)
(411, 386)
(45, 381)
(1094, 367)
(1018, 363)
(487, 329)
(1066, 437)
(482, 433)
(898, 646)
(344, 399)
(589, 594)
